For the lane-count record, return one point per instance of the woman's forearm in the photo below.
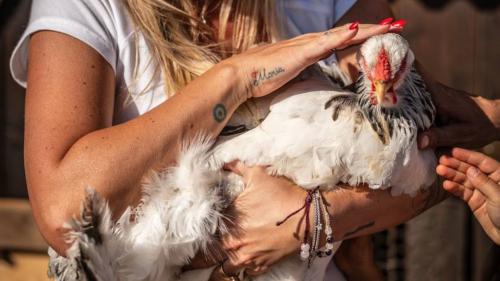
(120, 155)
(358, 211)
(70, 143)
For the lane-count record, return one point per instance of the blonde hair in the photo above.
(184, 45)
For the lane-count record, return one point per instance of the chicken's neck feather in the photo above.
(414, 111)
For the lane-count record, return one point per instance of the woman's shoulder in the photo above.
(108, 16)
(101, 24)
(106, 27)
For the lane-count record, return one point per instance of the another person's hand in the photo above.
(468, 121)
(475, 178)
(266, 68)
(255, 241)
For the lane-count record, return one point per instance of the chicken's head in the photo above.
(385, 61)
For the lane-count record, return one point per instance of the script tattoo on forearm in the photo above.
(260, 76)
(219, 112)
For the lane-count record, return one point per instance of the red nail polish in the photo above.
(386, 21)
(354, 25)
(399, 24)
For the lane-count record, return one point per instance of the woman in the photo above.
(97, 112)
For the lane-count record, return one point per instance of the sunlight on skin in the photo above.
(474, 178)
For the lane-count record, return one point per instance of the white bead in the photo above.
(328, 230)
(304, 255)
(329, 246)
(305, 247)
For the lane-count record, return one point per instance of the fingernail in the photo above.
(443, 158)
(472, 172)
(354, 25)
(398, 25)
(386, 21)
(424, 141)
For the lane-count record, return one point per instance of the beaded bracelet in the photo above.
(317, 227)
(305, 248)
(310, 250)
(328, 232)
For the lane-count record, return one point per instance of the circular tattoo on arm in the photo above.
(219, 112)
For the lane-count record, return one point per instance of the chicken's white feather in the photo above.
(314, 134)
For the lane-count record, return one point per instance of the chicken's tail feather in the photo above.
(179, 215)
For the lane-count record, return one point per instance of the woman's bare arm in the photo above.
(355, 211)
(70, 143)
(359, 211)
(256, 241)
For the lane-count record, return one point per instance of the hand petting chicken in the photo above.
(315, 134)
(475, 178)
(318, 137)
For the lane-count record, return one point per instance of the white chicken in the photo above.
(318, 138)
(314, 134)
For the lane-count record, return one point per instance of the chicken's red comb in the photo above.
(383, 67)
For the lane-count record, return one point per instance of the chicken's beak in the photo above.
(380, 90)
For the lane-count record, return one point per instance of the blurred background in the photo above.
(456, 40)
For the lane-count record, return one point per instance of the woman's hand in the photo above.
(468, 121)
(254, 241)
(266, 68)
(474, 177)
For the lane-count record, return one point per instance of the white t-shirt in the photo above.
(106, 26)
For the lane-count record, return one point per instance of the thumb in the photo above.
(485, 184)
(445, 136)
(430, 138)
(236, 167)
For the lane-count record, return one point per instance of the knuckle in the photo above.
(263, 268)
(258, 263)
(482, 179)
(247, 259)
(241, 258)
(241, 261)
(238, 263)
(231, 244)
